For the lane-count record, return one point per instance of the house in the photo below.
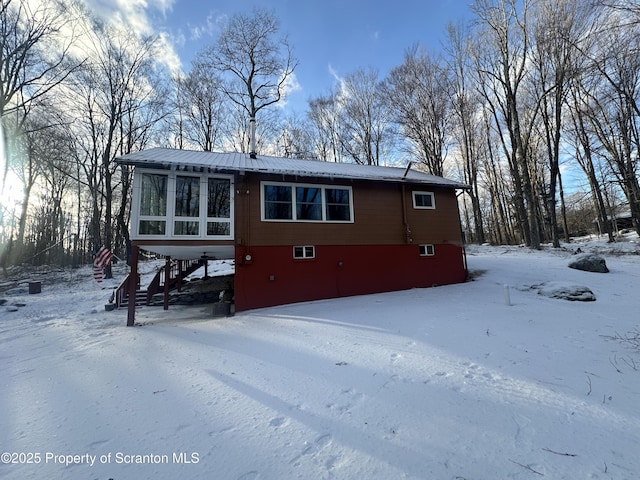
(298, 230)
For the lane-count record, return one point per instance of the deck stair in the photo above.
(179, 269)
(141, 299)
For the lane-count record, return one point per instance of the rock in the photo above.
(565, 291)
(20, 290)
(11, 308)
(589, 262)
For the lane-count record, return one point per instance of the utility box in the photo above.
(35, 287)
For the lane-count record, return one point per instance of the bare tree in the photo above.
(34, 53)
(118, 102)
(295, 139)
(324, 121)
(258, 65)
(365, 123)
(202, 107)
(557, 29)
(34, 60)
(584, 143)
(503, 49)
(419, 92)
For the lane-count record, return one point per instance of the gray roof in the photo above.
(167, 158)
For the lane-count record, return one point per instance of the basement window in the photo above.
(424, 200)
(427, 250)
(306, 251)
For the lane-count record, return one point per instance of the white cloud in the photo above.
(342, 90)
(291, 85)
(334, 73)
(210, 26)
(136, 15)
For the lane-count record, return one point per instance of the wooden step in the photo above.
(140, 300)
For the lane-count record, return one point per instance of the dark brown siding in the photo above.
(441, 225)
(378, 217)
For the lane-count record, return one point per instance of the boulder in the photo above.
(589, 262)
(566, 291)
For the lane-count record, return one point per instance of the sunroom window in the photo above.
(153, 204)
(194, 206)
(219, 206)
(187, 206)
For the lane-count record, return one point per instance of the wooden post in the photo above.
(133, 286)
(167, 280)
(180, 273)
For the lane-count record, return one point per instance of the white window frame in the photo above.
(305, 252)
(422, 207)
(293, 219)
(170, 217)
(427, 250)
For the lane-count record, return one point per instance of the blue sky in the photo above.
(330, 38)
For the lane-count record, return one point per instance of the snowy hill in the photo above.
(482, 380)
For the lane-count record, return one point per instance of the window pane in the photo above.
(424, 200)
(186, 228)
(187, 197)
(152, 227)
(277, 202)
(337, 195)
(298, 252)
(308, 203)
(218, 228)
(219, 198)
(427, 250)
(338, 208)
(153, 201)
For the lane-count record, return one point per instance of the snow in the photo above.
(242, 162)
(453, 382)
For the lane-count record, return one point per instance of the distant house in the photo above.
(298, 230)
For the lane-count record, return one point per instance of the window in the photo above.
(306, 203)
(424, 200)
(152, 227)
(154, 195)
(153, 204)
(307, 251)
(187, 204)
(187, 197)
(338, 205)
(427, 250)
(278, 202)
(219, 206)
(194, 206)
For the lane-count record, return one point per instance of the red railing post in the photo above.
(167, 280)
(133, 275)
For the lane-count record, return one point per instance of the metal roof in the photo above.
(167, 158)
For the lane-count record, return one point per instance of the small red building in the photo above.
(298, 230)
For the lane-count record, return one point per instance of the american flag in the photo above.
(102, 258)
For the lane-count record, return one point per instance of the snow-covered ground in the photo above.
(482, 380)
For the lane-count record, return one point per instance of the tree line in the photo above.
(523, 93)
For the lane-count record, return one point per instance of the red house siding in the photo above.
(274, 277)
